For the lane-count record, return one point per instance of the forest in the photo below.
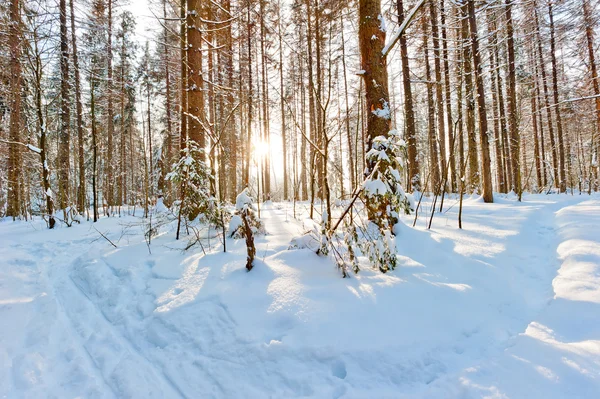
(437, 156)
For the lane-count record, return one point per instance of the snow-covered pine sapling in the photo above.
(350, 240)
(195, 178)
(236, 224)
(324, 239)
(385, 199)
(245, 209)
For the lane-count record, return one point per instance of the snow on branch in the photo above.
(402, 28)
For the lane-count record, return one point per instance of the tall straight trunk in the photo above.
(434, 166)
(541, 123)
(542, 68)
(183, 102)
(439, 100)
(168, 157)
(472, 157)
(351, 158)
(231, 131)
(42, 133)
(211, 101)
(414, 179)
(265, 102)
(250, 97)
(195, 109)
(507, 171)
(109, 110)
(122, 195)
(536, 142)
(79, 112)
(448, 98)
(459, 105)
(311, 104)
(64, 135)
(284, 137)
(371, 42)
(93, 84)
(589, 35)
(320, 138)
(486, 171)
(512, 103)
(559, 125)
(151, 165)
(14, 132)
(303, 166)
(491, 20)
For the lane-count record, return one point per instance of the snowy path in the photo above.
(506, 307)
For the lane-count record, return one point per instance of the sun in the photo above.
(261, 148)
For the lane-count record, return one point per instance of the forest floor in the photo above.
(507, 307)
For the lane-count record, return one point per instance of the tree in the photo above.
(14, 150)
(483, 130)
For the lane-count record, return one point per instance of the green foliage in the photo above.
(196, 181)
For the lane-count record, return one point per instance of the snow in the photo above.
(375, 187)
(243, 201)
(505, 308)
(34, 148)
(160, 206)
(383, 112)
(234, 224)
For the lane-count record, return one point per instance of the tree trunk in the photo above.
(512, 103)
(351, 157)
(14, 132)
(195, 109)
(168, 157)
(373, 64)
(79, 111)
(448, 99)
(439, 101)
(183, 123)
(472, 157)
(483, 130)
(434, 166)
(559, 125)
(64, 135)
(589, 34)
(109, 111)
(414, 179)
(546, 98)
(491, 19)
(282, 94)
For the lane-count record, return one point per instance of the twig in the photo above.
(105, 237)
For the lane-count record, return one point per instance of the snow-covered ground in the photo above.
(508, 307)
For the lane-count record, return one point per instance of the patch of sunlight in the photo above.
(491, 392)
(455, 286)
(574, 366)
(183, 290)
(546, 373)
(546, 335)
(14, 301)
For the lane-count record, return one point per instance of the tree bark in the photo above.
(559, 124)
(195, 108)
(483, 130)
(512, 103)
(373, 64)
(414, 179)
(589, 34)
(79, 112)
(14, 132)
(64, 135)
